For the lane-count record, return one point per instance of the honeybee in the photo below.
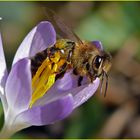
(68, 53)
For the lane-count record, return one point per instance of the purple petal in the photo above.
(44, 37)
(18, 86)
(61, 86)
(82, 95)
(69, 85)
(68, 82)
(3, 68)
(39, 38)
(49, 113)
(98, 44)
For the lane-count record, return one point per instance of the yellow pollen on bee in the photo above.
(56, 57)
(45, 77)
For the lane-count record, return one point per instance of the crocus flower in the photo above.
(16, 87)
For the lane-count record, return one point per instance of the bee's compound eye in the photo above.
(97, 61)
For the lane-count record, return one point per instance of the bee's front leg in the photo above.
(61, 71)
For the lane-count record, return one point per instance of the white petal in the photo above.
(3, 68)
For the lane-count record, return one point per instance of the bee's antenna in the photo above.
(101, 86)
(104, 74)
(106, 85)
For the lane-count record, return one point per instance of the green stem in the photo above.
(11, 126)
(8, 128)
(6, 132)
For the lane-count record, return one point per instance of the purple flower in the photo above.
(16, 87)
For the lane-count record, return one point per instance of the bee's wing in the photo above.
(62, 30)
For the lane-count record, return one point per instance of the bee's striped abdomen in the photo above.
(37, 60)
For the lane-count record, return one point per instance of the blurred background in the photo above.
(117, 26)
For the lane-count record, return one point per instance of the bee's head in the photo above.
(101, 64)
(99, 60)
